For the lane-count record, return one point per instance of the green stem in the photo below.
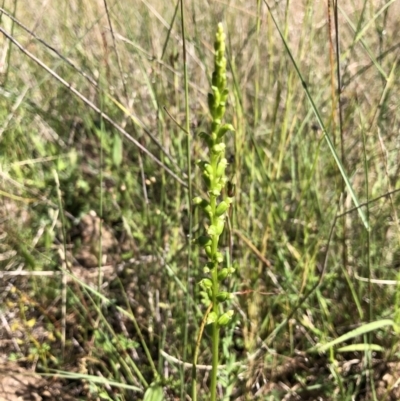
(215, 283)
(215, 349)
(215, 327)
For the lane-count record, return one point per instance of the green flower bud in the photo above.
(203, 165)
(222, 181)
(220, 111)
(204, 204)
(223, 274)
(212, 318)
(221, 68)
(219, 227)
(224, 95)
(223, 296)
(206, 284)
(221, 208)
(216, 94)
(216, 79)
(208, 251)
(219, 44)
(208, 210)
(197, 200)
(221, 167)
(219, 257)
(224, 129)
(205, 299)
(204, 241)
(220, 38)
(215, 127)
(215, 192)
(208, 170)
(219, 148)
(225, 319)
(208, 174)
(212, 230)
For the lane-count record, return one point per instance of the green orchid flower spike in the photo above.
(217, 204)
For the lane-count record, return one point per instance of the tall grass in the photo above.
(316, 261)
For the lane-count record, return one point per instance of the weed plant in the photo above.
(316, 284)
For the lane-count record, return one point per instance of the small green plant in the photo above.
(215, 205)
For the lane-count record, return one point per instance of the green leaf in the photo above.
(361, 347)
(359, 331)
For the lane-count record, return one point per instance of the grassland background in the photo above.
(62, 166)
